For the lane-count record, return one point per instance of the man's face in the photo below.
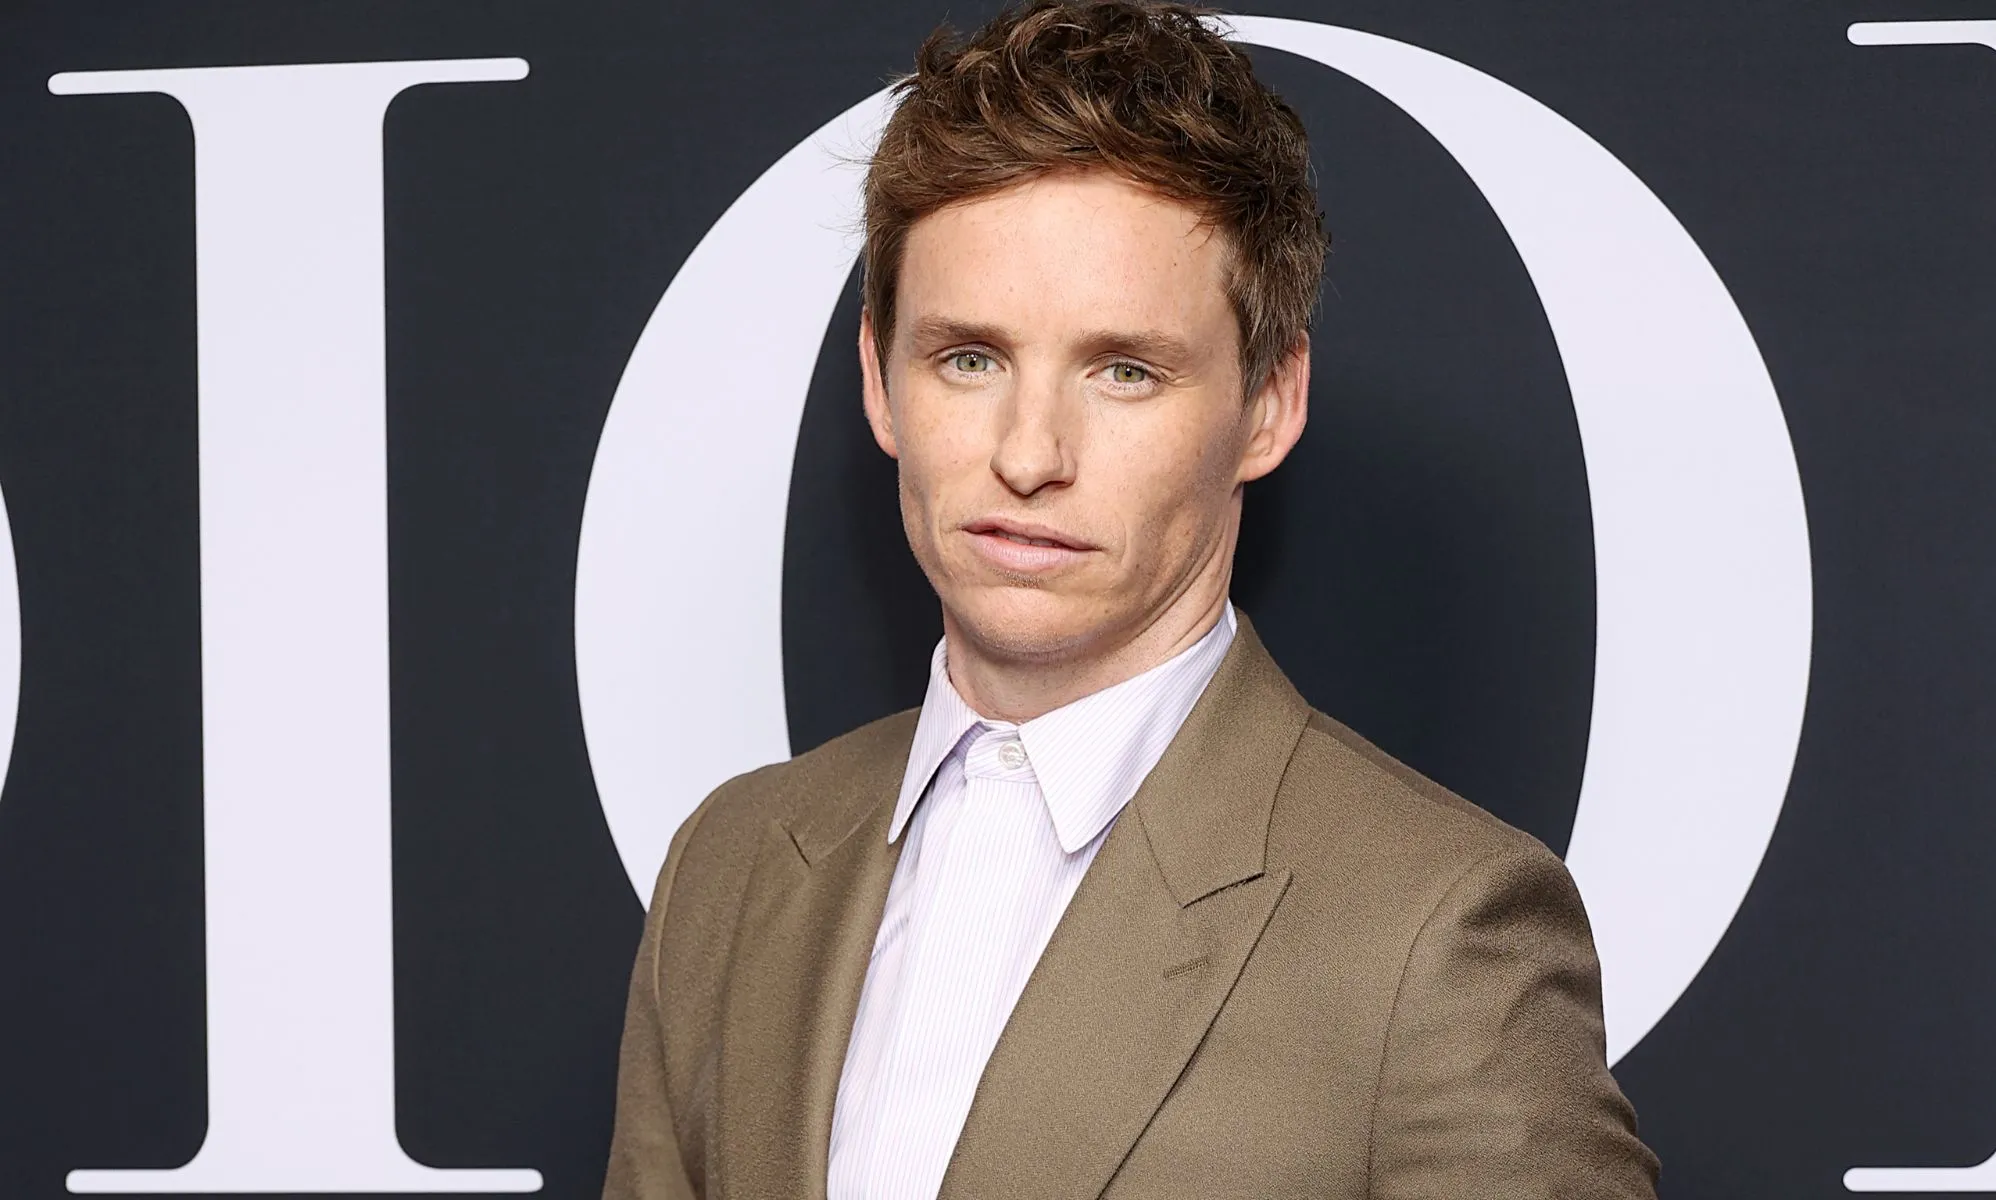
(1063, 392)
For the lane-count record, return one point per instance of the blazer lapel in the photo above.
(1147, 953)
(801, 950)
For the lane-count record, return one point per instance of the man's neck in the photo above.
(1009, 689)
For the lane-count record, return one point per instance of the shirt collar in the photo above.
(1090, 756)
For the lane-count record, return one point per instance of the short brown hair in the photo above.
(1146, 90)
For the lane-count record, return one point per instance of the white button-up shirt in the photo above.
(1002, 821)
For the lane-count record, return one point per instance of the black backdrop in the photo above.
(1423, 566)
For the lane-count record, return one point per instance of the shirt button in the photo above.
(1012, 754)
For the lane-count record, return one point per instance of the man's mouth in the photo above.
(1023, 540)
(1024, 534)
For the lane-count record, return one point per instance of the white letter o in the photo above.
(1700, 538)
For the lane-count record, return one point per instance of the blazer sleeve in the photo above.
(645, 1159)
(1495, 1080)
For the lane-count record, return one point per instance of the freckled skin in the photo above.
(1065, 358)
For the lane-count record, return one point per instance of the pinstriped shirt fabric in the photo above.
(1001, 822)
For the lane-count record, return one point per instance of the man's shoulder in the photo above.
(878, 744)
(734, 818)
(1346, 801)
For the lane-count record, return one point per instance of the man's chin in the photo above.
(1031, 624)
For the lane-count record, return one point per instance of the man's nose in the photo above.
(1035, 442)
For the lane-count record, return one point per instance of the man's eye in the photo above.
(1128, 373)
(970, 362)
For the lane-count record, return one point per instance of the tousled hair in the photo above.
(1145, 90)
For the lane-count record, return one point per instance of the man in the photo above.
(1114, 913)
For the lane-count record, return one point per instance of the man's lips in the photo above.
(1026, 533)
(1024, 546)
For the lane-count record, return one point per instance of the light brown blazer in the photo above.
(1296, 968)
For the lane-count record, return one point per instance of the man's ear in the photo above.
(1277, 412)
(873, 386)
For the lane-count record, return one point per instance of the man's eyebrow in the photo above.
(932, 330)
(1145, 343)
